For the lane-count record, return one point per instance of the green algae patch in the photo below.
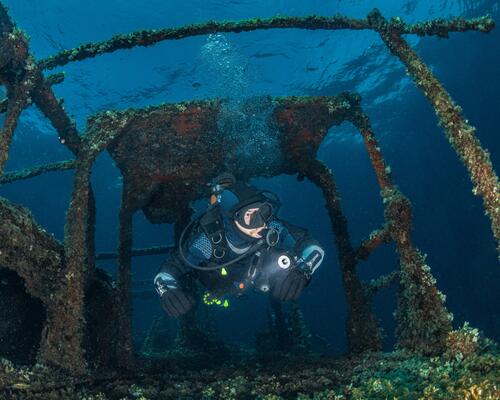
(397, 375)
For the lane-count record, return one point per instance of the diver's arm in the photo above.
(170, 274)
(172, 279)
(170, 282)
(174, 269)
(289, 283)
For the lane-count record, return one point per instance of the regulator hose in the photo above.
(256, 246)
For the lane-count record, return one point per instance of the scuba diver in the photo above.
(238, 243)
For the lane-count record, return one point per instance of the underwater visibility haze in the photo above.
(249, 199)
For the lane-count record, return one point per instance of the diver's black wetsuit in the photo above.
(282, 262)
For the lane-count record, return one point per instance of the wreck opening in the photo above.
(360, 195)
(22, 319)
(147, 314)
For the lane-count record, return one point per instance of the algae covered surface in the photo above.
(84, 338)
(397, 375)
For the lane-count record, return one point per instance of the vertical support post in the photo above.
(125, 347)
(363, 331)
(460, 134)
(17, 101)
(62, 343)
(423, 321)
(91, 220)
(382, 171)
(13, 54)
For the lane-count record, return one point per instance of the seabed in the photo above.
(396, 375)
(166, 154)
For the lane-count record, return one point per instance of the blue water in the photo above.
(449, 221)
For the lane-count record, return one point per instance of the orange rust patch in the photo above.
(288, 116)
(188, 122)
(168, 178)
(304, 136)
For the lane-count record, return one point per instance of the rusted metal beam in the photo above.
(423, 322)
(363, 331)
(439, 27)
(375, 239)
(14, 56)
(53, 79)
(63, 346)
(62, 340)
(125, 349)
(14, 176)
(382, 171)
(382, 282)
(460, 134)
(25, 83)
(18, 100)
(51, 107)
(149, 251)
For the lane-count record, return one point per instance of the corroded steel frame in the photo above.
(25, 83)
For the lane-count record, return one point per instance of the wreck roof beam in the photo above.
(438, 27)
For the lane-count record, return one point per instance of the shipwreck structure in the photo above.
(157, 152)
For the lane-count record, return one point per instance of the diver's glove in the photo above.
(173, 299)
(311, 258)
(289, 284)
(176, 302)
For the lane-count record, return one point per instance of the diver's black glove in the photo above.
(176, 302)
(173, 299)
(289, 284)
